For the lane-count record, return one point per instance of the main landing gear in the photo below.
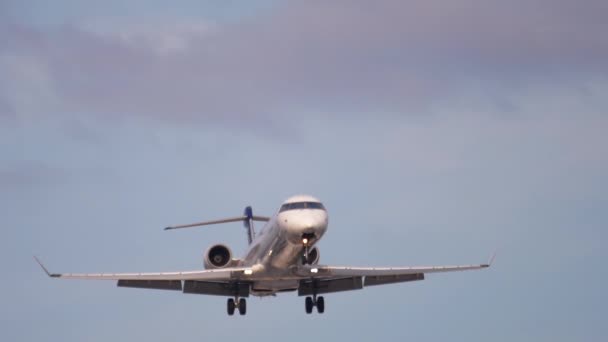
(236, 303)
(313, 301)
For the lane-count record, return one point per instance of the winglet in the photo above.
(52, 275)
(490, 261)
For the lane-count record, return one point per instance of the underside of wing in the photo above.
(326, 279)
(226, 288)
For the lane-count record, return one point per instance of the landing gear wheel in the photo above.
(320, 305)
(309, 305)
(231, 306)
(242, 306)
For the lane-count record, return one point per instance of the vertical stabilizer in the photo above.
(248, 223)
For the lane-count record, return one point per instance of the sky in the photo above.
(435, 132)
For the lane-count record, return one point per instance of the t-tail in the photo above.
(248, 223)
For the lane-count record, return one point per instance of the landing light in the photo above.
(248, 271)
(304, 240)
(314, 270)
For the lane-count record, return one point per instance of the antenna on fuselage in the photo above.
(247, 220)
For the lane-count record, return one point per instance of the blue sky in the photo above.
(435, 132)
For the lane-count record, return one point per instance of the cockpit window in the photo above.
(301, 205)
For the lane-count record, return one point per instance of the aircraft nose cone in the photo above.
(309, 222)
(309, 225)
(312, 224)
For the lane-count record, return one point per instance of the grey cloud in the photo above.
(353, 56)
(30, 174)
(6, 110)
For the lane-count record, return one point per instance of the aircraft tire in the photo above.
(242, 306)
(231, 306)
(308, 304)
(320, 305)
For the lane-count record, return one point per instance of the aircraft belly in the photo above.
(275, 285)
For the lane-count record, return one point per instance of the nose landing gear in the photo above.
(306, 242)
(306, 251)
(313, 301)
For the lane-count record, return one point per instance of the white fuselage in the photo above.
(279, 247)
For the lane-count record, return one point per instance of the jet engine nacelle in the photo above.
(218, 256)
(313, 256)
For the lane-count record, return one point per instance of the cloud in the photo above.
(6, 110)
(341, 56)
(30, 174)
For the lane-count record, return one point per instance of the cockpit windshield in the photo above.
(301, 205)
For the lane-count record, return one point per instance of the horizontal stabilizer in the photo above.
(226, 220)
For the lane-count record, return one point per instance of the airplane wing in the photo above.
(223, 274)
(223, 282)
(345, 271)
(326, 279)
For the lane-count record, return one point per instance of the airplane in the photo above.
(282, 257)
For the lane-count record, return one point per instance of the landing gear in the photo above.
(321, 305)
(236, 303)
(311, 302)
(231, 307)
(242, 306)
(305, 242)
(308, 240)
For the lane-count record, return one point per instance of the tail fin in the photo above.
(248, 223)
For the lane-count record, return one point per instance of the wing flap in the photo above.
(392, 279)
(319, 279)
(217, 288)
(318, 286)
(152, 284)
